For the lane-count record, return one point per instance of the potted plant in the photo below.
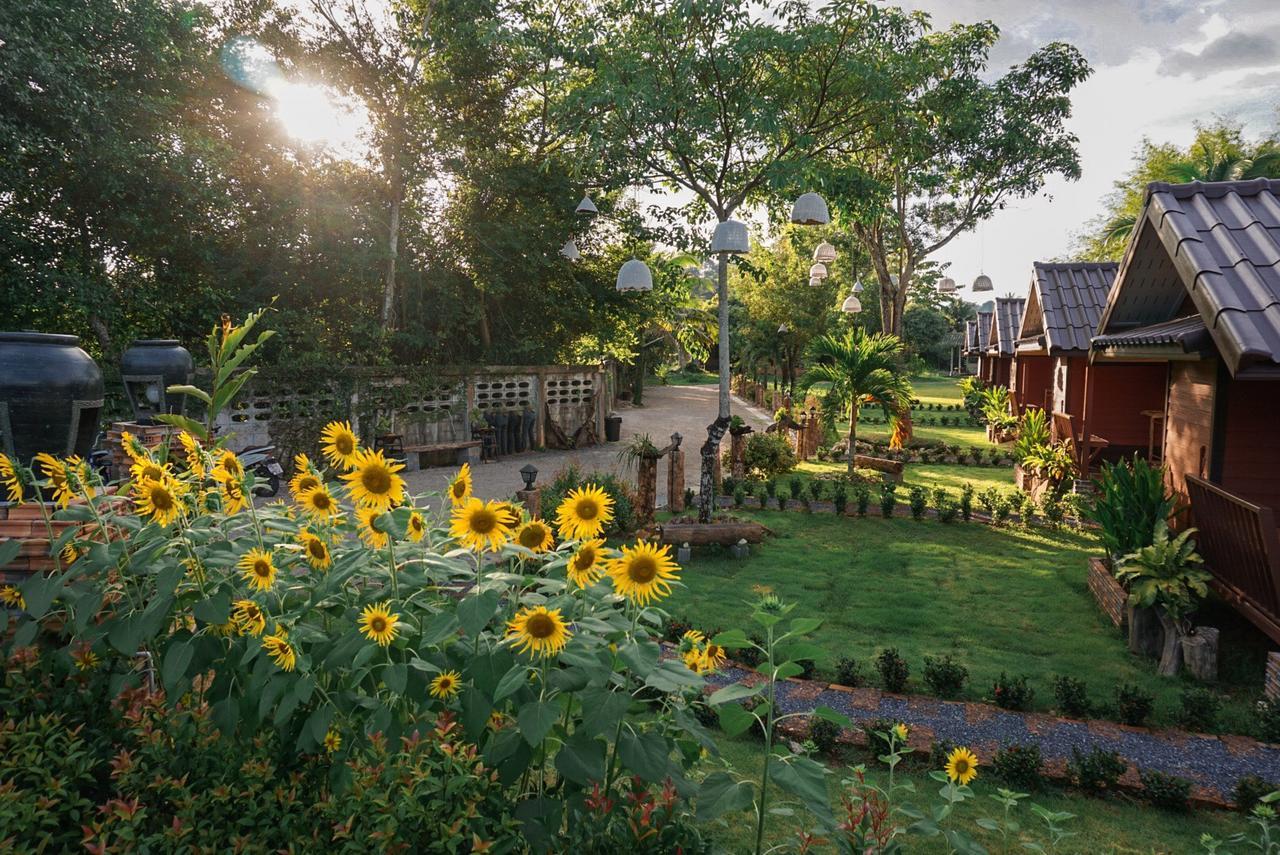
(1169, 576)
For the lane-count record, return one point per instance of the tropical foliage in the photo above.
(1168, 572)
(1129, 503)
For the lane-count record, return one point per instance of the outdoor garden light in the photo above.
(810, 210)
(730, 237)
(814, 281)
(947, 285)
(529, 473)
(783, 329)
(824, 252)
(817, 270)
(851, 305)
(586, 207)
(983, 283)
(635, 276)
(857, 287)
(570, 250)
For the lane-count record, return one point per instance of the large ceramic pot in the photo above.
(50, 395)
(148, 368)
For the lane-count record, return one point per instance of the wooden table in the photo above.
(1153, 416)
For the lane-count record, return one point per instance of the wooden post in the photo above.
(738, 455)
(646, 489)
(675, 480)
(1200, 654)
(532, 501)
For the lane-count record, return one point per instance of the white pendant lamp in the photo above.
(635, 276)
(815, 281)
(857, 287)
(824, 252)
(810, 210)
(570, 250)
(851, 305)
(817, 270)
(947, 285)
(983, 283)
(783, 328)
(586, 207)
(730, 237)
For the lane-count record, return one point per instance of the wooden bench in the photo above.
(880, 464)
(1064, 428)
(461, 449)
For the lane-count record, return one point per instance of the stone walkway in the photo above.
(686, 410)
(1212, 763)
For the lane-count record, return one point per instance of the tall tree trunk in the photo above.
(715, 430)
(853, 434)
(393, 249)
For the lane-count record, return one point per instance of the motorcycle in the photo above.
(267, 471)
(100, 458)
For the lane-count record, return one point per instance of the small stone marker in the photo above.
(683, 554)
(741, 549)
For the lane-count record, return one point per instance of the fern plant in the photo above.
(1130, 500)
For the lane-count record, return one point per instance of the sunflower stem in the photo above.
(768, 748)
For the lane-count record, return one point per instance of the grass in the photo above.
(684, 377)
(1117, 825)
(995, 599)
(928, 475)
(935, 389)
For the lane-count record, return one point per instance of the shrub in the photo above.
(945, 677)
(1133, 704)
(815, 489)
(1200, 708)
(825, 734)
(849, 672)
(1052, 509)
(1096, 771)
(1001, 510)
(1249, 791)
(689, 497)
(917, 502)
(840, 497)
(1166, 791)
(861, 498)
(893, 670)
(947, 512)
(1268, 719)
(728, 484)
(768, 454)
(571, 478)
(739, 497)
(888, 498)
(1012, 693)
(1071, 696)
(795, 486)
(1130, 500)
(987, 500)
(771, 487)
(966, 501)
(1019, 766)
(782, 502)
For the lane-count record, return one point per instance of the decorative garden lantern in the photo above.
(148, 368)
(814, 281)
(731, 237)
(851, 305)
(817, 270)
(783, 329)
(983, 283)
(824, 252)
(947, 285)
(810, 210)
(50, 396)
(635, 276)
(586, 207)
(570, 250)
(529, 473)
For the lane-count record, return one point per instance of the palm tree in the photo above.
(861, 368)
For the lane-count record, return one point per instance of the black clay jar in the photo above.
(50, 395)
(150, 366)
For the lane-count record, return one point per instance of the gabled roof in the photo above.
(1005, 323)
(1066, 302)
(970, 335)
(976, 333)
(1218, 245)
(1186, 334)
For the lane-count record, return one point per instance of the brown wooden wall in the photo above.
(1119, 394)
(1188, 427)
(1032, 381)
(1068, 384)
(1251, 442)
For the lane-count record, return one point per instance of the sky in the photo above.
(1160, 66)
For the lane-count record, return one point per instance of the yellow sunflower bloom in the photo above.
(644, 573)
(319, 503)
(248, 618)
(304, 477)
(378, 623)
(148, 470)
(713, 658)
(258, 569)
(85, 659)
(962, 766)
(368, 528)
(373, 482)
(460, 487)
(446, 685)
(10, 481)
(900, 732)
(586, 566)
(511, 512)
(539, 631)
(280, 651)
(233, 496)
(535, 535)
(584, 513)
(228, 467)
(315, 549)
(55, 472)
(136, 451)
(332, 741)
(339, 444)
(417, 527)
(12, 597)
(691, 639)
(480, 525)
(194, 454)
(159, 499)
(693, 660)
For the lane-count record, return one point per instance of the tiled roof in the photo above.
(1189, 333)
(970, 335)
(1007, 322)
(1072, 297)
(1223, 242)
(984, 330)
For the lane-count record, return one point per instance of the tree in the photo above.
(951, 149)
(861, 368)
(757, 97)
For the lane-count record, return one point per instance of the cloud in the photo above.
(1234, 50)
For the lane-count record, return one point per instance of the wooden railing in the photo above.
(1241, 548)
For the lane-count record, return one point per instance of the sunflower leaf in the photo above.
(733, 692)
(475, 612)
(721, 794)
(511, 681)
(536, 720)
(734, 719)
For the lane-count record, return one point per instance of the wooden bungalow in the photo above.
(977, 335)
(1198, 295)
(1006, 319)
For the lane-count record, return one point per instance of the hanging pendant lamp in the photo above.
(851, 305)
(824, 252)
(815, 281)
(635, 276)
(810, 210)
(947, 285)
(586, 207)
(857, 287)
(983, 283)
(730, 237)
(570, 250)
(817, 270)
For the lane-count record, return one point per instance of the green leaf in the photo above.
(804, 625)
(807, 780)
(214, 610)
(734, 719)
(833, 716)
(191, 426)
(25, 633)
(640, 656)
(394, 677)
(318, 723)
(789, 669)
(581, 760)
(9, 550)
(689, 723)
(645, 754)
(193, 391)
(474, 612)
(226, 713)
(536, 720)
(602, 710)
(511, 682)
(721, 794)
(671, 675)
(800, 650)
(733, 639)
(733, 692)
(176, 660)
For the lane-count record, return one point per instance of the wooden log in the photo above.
(703, 534)
(1200, 653)
(1171, 648)
(1146, 638)
(879, 464)
(738, 454)
(646, 489)
(675, 480)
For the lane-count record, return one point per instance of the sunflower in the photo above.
(691, 639)
(55, 471)
(228, 468)
(233, 497)
(584, 568)
(535, 535)
(713, 657)
(899, 731)
(416, 528)
(379, 623)
(194, 454)
(315, 549)
(85, 659)
(369, 531)
(460, 487)
(584, 513)
(248, 618)
(258, 569)
(332, 741)
(511, 511)
(644, 573)
(304, 477)
(319, 503)
(540, 631)
(9, 480)
(480, 525)
(446, 685)
(160, 499)
(12, 597)
(962, 766)
(374, 482)
(136, 451)
(280, 651)
(693, 660)
(340, 444)
(147, 469)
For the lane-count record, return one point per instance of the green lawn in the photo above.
(684, 377)
(935, 389)
(928, 475)
(995, 599)
(1116, 825)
